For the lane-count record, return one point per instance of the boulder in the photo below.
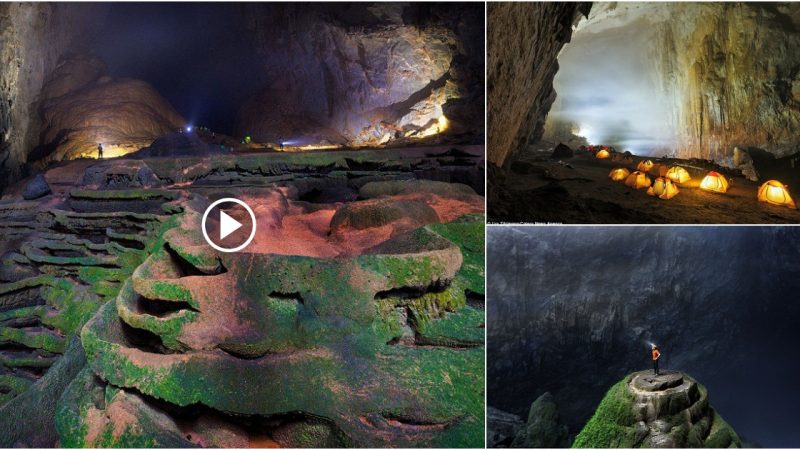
(543, 429)
(179, 143)
(562, 151)
(743, 161)
(36, 188)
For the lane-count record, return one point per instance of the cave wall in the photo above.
(524, 40)
(737, 77)
(366, 74)
(570, 311)
(724, 74)
(34, 36)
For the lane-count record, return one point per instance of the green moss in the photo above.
(722, 434)
(467, 232)
(466, 326)
(126, 194)
(611, 426)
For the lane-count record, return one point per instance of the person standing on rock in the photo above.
(100, 151)
(656, 355)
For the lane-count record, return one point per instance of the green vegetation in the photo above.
(611, 426)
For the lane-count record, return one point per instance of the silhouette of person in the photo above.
(100, 151)
(656, 355)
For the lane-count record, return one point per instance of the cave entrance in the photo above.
(610, 84)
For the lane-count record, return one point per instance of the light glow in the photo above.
(776, 193)
(714, 182)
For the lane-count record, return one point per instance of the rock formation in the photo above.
(524, 40)
(34, 37)
(571, 313)
(124, 115)
(670, 410)
(543, 429)
(364, 331)
(366, 76)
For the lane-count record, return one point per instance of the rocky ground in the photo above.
(540, 188)
(355, 318)
(670, 410)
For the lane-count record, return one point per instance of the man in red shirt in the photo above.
(656, 355)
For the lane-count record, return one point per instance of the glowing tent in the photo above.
(678, 174)
(602, 154)
(776, 193)
(714, 182)
(663, 188)
(619, 174)
(637, 180)
(645, 166)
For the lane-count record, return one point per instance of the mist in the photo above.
(609, 90)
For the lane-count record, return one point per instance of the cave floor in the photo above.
(539, 189)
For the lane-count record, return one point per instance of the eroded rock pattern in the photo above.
(366, 333)
(670, 410)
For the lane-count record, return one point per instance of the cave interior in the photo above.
(707, 87)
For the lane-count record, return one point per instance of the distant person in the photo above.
(656, 355)
(100, 151)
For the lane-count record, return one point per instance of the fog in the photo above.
(609, 90)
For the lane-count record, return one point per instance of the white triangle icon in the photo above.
(227, 225)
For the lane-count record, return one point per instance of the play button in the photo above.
(232, 221)
(227, 225)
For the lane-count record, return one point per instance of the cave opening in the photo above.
(610, 88)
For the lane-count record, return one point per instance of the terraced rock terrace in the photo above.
(355, 318)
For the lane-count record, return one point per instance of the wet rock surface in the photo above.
(331, 333)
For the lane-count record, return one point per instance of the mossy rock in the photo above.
(644, 410)
(402, 187)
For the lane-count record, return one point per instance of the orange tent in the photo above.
(714, 182)
(663, 188)
(776, 193)
(602, 154)
(619, 174)
(678, 174)
(645, 166)
(637, 180)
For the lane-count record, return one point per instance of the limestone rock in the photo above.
(123, 115)
(743, 161)
(36, 188)
(524, 40)
(562, 152)
(502, 427)
(180, 143)
(543, 429)
(344, 88)
(666, 411)
(35, 37)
